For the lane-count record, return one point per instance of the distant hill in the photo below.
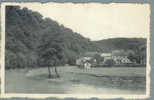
(108, 45)
(26, 30)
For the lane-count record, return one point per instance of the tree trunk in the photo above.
(56, 72)
(49, 76)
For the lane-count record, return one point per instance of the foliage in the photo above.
(50, 53)
(109, 62)
(138, 55)
(98, 58)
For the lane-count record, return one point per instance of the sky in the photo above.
(98, 21)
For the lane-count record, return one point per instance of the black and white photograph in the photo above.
(66, 48)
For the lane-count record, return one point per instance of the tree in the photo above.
(110, 62)
(51, 54)
(143, 54)
(98, 58)
(138, 55)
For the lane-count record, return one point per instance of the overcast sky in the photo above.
(99, 21)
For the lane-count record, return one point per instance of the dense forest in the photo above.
(32, 41)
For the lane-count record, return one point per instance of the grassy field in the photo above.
(74, 80)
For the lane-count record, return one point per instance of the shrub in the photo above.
(109, 62)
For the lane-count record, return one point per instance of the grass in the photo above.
(74, 80)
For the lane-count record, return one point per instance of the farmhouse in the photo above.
(89, 59)
(106, 56)
(86, 60)
(120, 57)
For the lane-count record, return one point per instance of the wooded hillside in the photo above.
(108, 45)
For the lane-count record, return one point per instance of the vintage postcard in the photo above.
(75, 50)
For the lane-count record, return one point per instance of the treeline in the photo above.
(26, 31)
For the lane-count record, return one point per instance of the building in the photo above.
(106, 57)
(86, 60)
(118, 56)
(90, 59)
(121, 59)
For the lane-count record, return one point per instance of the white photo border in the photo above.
(105, 96)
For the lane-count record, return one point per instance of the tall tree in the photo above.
(51, 54)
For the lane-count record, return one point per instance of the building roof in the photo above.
(89, 54)
(106, 54)
(119, 53)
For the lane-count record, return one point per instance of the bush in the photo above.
(10, 60)
(109, 62)
(19, 60)
(72, 62)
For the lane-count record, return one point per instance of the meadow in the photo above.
(120, 80)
